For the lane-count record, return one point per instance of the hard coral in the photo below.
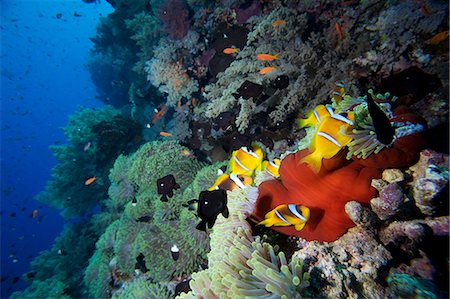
(175, 16)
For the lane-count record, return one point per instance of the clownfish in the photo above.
(314, 117)
(338, 92)
(327, 140)
(287, 215)
(244, 161)
(230, 182)
(272, 167)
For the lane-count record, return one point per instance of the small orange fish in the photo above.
(165, 134)
(230, 50)
(34, 213)
(90, 181)
(339, 32)
(266, 57)
(278, 23)
(185, 153)
(194, 102)
(179, 104)
(266, 70)
(436, 39)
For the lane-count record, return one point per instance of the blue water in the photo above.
(44, 79)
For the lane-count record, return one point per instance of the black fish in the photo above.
(235, 141)
(15, 279)
(140, 263)
(281, 82)
(182, 287)
(210, 205)
(31, 275)
(58, 15)
(3, 278)
(165, 186)
(383, 128)
(249, 90)
(224, 120)
(413, 81)
(175, 252)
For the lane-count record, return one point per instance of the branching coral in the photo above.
(167, 72)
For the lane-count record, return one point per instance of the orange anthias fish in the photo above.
(278, 23)
(165, 134)
(185, 153)
(339, 32)
(441, 36)
(266, 70)
(266, 57)
(34, 213)
(230, 50)
(90, 181)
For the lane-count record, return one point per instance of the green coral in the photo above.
(46, 289)
(83, 158)
(148, 226)
(143, 288)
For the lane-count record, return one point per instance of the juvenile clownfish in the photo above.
(272, 167)
(278, 23)
(244, 161)
(229, 51)
(338, 92)
(287, 215)
(230, 182)
(266, 57)
(90, 181)
(266, 70)
(314, 117)
(327, 141)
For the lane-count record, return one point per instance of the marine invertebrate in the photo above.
(324, 194)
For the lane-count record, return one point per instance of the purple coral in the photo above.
(175, 17)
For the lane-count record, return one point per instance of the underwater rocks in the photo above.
(347, 268)
(390, 200)
(431, 175)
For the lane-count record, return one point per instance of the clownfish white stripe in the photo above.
(316, 115)
(240, 164)
(338, 116)
(238, 182)
(274, 165)
(340, 85)
(329, 138)
(337, 93)
(245, 149)
(293, 208)
(282, 218)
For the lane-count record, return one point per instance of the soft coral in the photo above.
(175, 17)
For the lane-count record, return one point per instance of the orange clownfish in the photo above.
(230, 50)
(287, 215)
(266, 57)
(272, 167)
(327, 140)
(278, 23)
(338, 92)
(266, 70)
(165, 134)
(90, 181)
(244, 161)
(314, 117)
(230, 182)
